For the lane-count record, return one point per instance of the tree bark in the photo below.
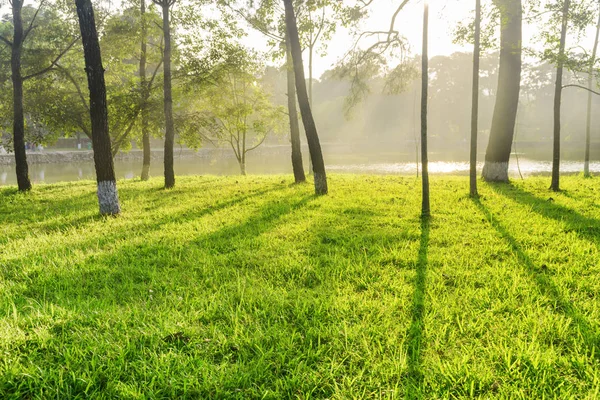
(588, 127)
(509, 85)
(168, 99)
(475, 101)
(108, 198)
(310, 92)
(310, 127)
(425, 208)
(21, 166)
(144, 94)
(555, 185)
(297, 165)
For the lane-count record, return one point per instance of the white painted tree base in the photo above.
(108, 198)
(495, 171)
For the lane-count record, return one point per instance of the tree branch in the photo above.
(31, 27)
(53, 63)
(581, 87)
(5, 40)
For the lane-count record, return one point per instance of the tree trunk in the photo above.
(555, 185)
(18, 116)
(297, 165)
(312, 136)
(588, 127)
(475, 103)
(168, 100)
(310, 93)
(425, 209)
(108, 198)
(144, 95)
(242, 162)
(507, 99)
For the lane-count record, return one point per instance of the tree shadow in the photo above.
(414, 336)
(545, 284)
(122, 276)
(585, 227)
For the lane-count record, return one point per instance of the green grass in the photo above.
(254, 288)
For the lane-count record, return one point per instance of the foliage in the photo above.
(232, 108)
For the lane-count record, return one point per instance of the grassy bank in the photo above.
(254, 288)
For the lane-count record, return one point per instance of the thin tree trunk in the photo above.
(310, 93)
(509, 85)
(555, 185)
(425, 208)
(475, 99)
(310, 127)
(297, 165)
(168, 100)
(22, 168)
(588, 127)
(108, 198)
(144, 95)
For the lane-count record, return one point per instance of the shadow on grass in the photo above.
(585, 227)
(122, 276)
(546, 285)
(415, 378)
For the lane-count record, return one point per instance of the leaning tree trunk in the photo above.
(144, 95)
(475, 101)
(588, 127)
(108, 198)
(425, 209)
(18, 116)
(297, 165)
(168, 100)
(555, 185)
(310, 127)
(507, 99)
(310, 92)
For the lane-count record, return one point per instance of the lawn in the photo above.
(255, 288)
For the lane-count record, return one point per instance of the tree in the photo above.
(475, 101)
(555, 184)
(586, 164)
(168, 93)
(231, 108)
(507, 100)
(297, 164)
(266, 19)
(310, 127)
(144, 93)
(20, 35)
(425, 208)
(108, 198)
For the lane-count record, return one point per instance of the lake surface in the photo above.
(279, 163)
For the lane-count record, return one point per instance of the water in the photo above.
(278, 162)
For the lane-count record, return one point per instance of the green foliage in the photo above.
(255, 288)
(231, 107)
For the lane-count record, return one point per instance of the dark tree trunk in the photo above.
(168, 99)
(588, 128)
(507, 99)
(297, 165)
(108, 198)
(312, 136)
(425, 209)
(555, 185)
(18, 116)
(475, 104)
(144, 95)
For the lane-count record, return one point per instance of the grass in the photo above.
(254, 288)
